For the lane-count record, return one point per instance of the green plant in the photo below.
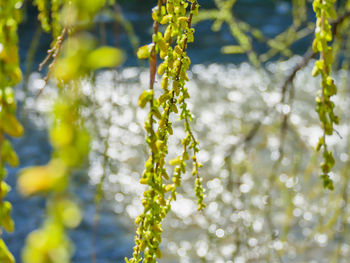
(171, 46)
(75, 55)
(329, 27)
(325, 107)
(10, 75)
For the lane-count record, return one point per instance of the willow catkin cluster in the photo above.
(325, 11)
(69, 62)
(70, 141)
(56, 14)
(175, 17)
(10, 75)
(43, 16)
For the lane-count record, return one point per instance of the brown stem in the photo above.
(53, 53)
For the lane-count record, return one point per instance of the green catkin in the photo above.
(70, 62)
(325, 11)
(56, 27)
(71, 145)
(44, 14)
(10, 75)
(176, 16)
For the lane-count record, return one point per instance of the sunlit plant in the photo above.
(75, 55)
(171, 47)
(10, 75)
(325, 106)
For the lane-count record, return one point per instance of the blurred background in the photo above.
(255, 121)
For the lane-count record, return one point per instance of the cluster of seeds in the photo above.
(175, 18)
(68, 135)
(70, 141)
(10, 75)
(324, 10)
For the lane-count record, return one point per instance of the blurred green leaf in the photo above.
(105, 57)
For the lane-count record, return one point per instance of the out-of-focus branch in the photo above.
(309, 54)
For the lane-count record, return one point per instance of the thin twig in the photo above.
(53, 53)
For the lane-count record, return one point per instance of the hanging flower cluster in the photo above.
(171, 47)
(71, 146)
(10, 75)
(70, 61)
(56, 14)
(325, 11)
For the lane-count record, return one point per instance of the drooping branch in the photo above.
(310, 54)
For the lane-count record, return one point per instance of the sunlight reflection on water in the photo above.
(255, 212)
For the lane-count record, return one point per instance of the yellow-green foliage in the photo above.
(10, 75)
(245, 34)
(325, 107)
(70, 140)
(70, 61)
(280, 44)
(57, 14)
(50, 243)
(68, 134)
(43, 8)
(176, 18)
(224, 14)
(81, 56)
